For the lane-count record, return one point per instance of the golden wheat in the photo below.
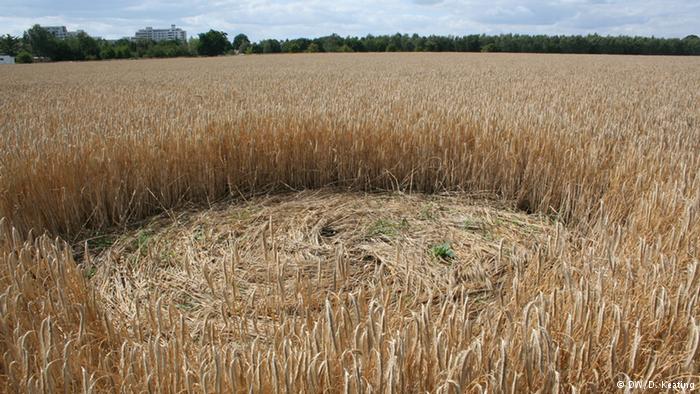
(573, 193)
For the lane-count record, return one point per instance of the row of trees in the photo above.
(38, 42)
(482, 43)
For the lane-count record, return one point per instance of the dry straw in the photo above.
(600, 284)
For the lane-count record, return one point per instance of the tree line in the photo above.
(37, 42)
(590, 44)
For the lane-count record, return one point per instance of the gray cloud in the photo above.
(293, 18)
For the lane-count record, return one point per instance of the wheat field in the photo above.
(350, 223)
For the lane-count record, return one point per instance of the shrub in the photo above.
(24, 57)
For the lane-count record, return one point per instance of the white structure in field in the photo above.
(7, 59)
(149, 33)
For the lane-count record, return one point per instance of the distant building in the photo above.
(74, 33)
(7, 59)
(60, 32)
(149, 33)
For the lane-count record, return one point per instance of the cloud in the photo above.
(293, 18)
(427, 2)
(531, 14)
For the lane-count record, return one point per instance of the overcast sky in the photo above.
(312, 18)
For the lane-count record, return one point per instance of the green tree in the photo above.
(355, 44)
(490, 47)
(193, 45)
(296, 45)
(431, 44)
(40, 41)
(692, 44)
(271, 46)
(331, 43)
(240, 42)
(10, 45)
(66, 49)
(123, 52)
(107, 52)
(213, 43)
(313, 48)
(255, 47)
(87, 47)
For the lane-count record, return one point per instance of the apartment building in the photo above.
(173, 33)
(60, 32)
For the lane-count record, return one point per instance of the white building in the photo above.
(61, 32)
(149, 33)
(7, 59)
